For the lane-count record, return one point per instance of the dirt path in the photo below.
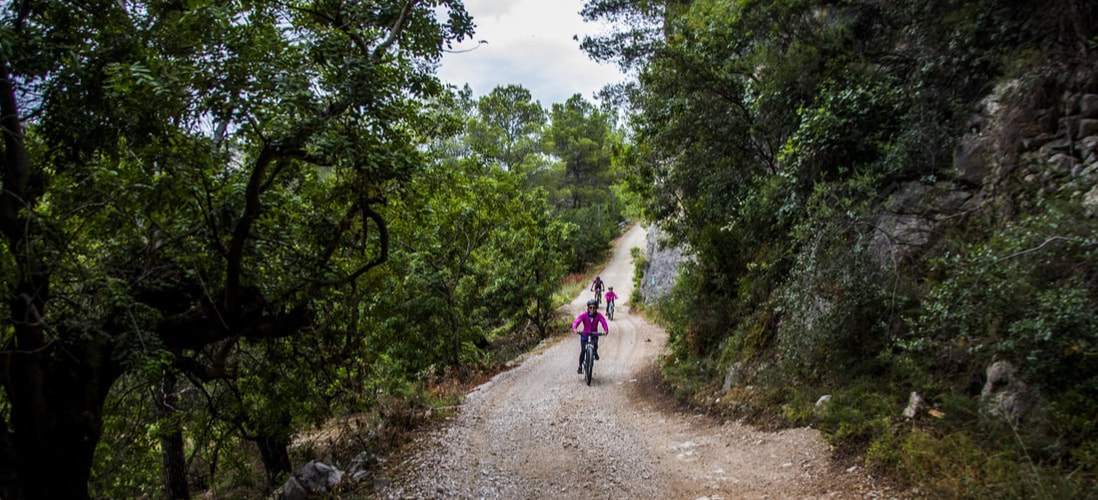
(537, 431)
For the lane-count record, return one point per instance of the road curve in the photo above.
(537, 431)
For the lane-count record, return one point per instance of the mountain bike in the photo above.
(610, 310)
(588, 362)
(598, 295)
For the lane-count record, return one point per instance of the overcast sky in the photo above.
(529, 43)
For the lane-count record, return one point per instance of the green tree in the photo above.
(479, 256)
(583, 139)
(641, 29)
(224, 212)
(507, 126)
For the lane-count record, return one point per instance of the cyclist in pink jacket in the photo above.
(590, 320)
(610, 297)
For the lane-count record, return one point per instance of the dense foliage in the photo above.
(225, 223)
(813, 156)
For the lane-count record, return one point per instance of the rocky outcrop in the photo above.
(1005, 395)
(1068, 153)
(1034, 137)
(313, 480)
(1046, 137)
(661, 267)
(913, 213)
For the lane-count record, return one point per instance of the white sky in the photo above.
(529, 43)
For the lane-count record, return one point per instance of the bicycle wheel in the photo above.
(588, 364)
(610, 311)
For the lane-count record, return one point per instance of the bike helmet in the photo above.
(592, 302)
(611, 288)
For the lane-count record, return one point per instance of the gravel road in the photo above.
(537, 431)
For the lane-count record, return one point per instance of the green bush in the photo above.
(688, 377)
(955, 465)
(1022, 295)
(839, 306)
(640, 265)
(859, 413)
(598, 226)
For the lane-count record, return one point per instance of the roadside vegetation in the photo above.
(877, 206)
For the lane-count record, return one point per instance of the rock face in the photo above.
(1045, 140)
(911, 218)
(311, 480)
(662, 268)
(1050, 145)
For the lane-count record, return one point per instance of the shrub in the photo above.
(640, 266)
(1026, 294)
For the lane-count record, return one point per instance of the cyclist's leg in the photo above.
(583, 347)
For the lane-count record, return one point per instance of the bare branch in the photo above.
(1034, 249)
(394, 32)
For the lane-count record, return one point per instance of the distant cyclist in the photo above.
(610, 297)
(596, 286)
(590, 321)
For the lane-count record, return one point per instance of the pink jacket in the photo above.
(590, 324)
(610, 296)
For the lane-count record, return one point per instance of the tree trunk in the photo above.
(56, 411)
(174, 471)
(55, 389)
(276, 458)
(455, 335)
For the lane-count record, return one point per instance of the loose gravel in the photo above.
(537, 431)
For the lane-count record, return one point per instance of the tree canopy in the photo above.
(227, 222)
(182, 178)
